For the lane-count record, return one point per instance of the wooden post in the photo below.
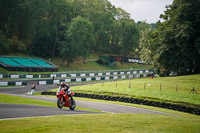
(160, 86)
(144, 85)
(130, 85)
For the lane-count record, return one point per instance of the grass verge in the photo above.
(106, 123)
(164, 89)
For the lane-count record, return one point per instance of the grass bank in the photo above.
(92, 65)
(163, 89)
(78, 65)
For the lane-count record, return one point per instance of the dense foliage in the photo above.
(66, 28)
(78, 39)
(175, 44)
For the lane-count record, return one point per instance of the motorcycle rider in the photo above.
(66, 89)
(32, 90)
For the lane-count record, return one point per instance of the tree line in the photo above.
(71, 28)
(175, 43)
(66, 28)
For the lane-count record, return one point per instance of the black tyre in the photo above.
(59, 103)
(73, 104)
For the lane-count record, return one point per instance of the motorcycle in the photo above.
(64, 100)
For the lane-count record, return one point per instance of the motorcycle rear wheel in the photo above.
(73, 104)
(59, 103)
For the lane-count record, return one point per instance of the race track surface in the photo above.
(8, 111)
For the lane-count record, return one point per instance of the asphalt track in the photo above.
(10, 111)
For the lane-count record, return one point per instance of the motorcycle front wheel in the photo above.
(59, 103)
(73, 104)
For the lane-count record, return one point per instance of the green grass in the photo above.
(92, 65)
(2, 70)
(83, 67)
(161, 89)
(106, 123)
(98, 123)
(21, 100)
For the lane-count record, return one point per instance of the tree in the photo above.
(101, 14)
(34, 24)
(5, 44)
(79, 39)
(174, 45)
(16, 23)
(81, 35)
(38, 27)
(67, 51)
(147, 41)
(117, 30)
(59, 16)
(54, 15)
(129, 36)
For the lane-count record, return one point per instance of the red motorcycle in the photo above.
(64, 100)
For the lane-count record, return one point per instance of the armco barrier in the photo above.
(181, 108)
(88, 77)
(14, 83)
(74, 74)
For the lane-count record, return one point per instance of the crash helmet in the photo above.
(63, 84)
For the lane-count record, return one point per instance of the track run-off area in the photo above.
(13, 111)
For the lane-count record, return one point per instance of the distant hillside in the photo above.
(90, 64)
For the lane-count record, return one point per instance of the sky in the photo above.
(143, 10)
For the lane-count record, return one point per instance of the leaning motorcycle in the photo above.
(64, 100)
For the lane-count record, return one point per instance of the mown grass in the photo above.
(104, 123)
(21, 100)
(111, 123)
(163, 89)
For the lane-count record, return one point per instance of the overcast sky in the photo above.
(141, 10)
